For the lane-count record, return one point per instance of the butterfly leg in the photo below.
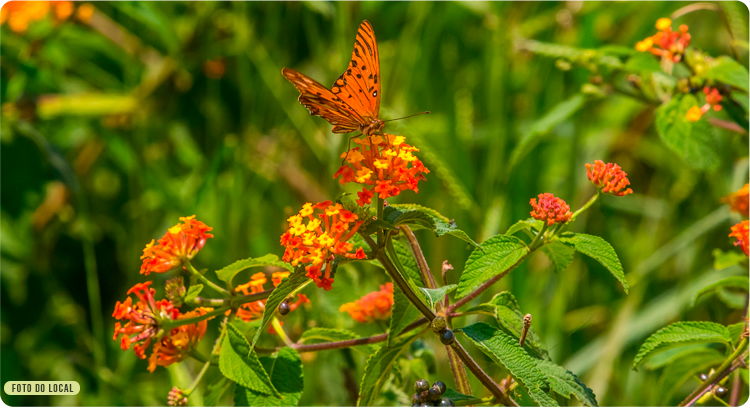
(349, 147)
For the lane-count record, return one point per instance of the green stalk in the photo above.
(280, 331)
(719, 372)
(171, 324)
(190, 268)
(586, 206)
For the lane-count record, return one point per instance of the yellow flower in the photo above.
(694, 114)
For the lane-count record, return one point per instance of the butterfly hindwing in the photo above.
(322, 102)
(359, 85)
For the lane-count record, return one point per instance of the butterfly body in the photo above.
(353, 102)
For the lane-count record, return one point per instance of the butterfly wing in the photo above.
(322, 102)
(359, 85)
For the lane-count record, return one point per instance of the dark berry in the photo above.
(284, 308)
(424, 396)
(433, 394)
(447, 337)
(720, 391)
(421, 385)
(415, 399)
(424, 404)
(440, 385)
(703, 377)
(445, 402)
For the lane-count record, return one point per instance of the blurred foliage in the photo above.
(118, 122)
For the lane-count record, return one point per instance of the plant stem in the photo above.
(197, 379)
(280, 331)
(234, 301)
(721, 372)
(478, 291)
(734, 398)
(482, 376)
(190, 268)
(586, 206)
(459, 372)
(538, 236)
(381, 238)
(427, 277)
(171, 324)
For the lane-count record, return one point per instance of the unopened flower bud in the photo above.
(175, 291)
(177, 398)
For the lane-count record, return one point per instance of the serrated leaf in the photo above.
(324, 335)
(239, 363)
(735, 332)
(723, 260)
(215, 390)
(681, 334)
(456, 396)
(501, 252)
(598, 249)
(509, 317)
(227, 273)
(725, 69)
(410, 217)
(417, 207)
(505, 351)
(374, 225)
(525, 224)
(403, 312)
(566, 383)
(692, 141)
(684, 369)
(193, 292)
(559, 254)
(378, 369)
(669, 356)
(735, 282)
(288, 287)
(436, 295)
(417, 216)
(285, 370)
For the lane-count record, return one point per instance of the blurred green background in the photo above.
(117, 124)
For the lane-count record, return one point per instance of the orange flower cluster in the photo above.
(384, 162)
(713, 100)
(144, 320)
(19, 14)
(254, 310)
(741, 231)
(738, 201)
(550, 209)
(372, 306)
(666, 43)
(320, 239)
(179, 244)
(608, 177)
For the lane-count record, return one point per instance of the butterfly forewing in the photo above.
(359, 85)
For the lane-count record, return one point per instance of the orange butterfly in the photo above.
(353, 102)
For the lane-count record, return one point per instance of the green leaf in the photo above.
(598, 249)
(456, 396)
(239, 363)
(669, 356)
(412, 217)
(215, 390)
(566, 383)
(560, 255)
(505, 351)
(324, 335)
(378, 369)
(735, 332)
(436, 295)
(510, 318)
(227, 273)
(193, 292)
(525, 225)
(285, 370)
(642, 62)
(723, 260)
(681, 334)
(403, 312)
(736, 282)
(417, 207)
(288, 287)
(557, 115)
(496, 255)
(427, 218)
(684, 369)
(727, 70)
(374, 225)
(692, 141)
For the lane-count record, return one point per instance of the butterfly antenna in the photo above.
(420, 113)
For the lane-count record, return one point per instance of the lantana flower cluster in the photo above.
(144, 320)
(373, 306)
(20, 14)
(254, 310)
(384, 162)
(740, 232)
(609, 178)
(180, 243)
(738, 201)
(713, 100)
(666, 43)
(550, 209)
(316, 235)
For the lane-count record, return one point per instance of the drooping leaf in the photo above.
(288, 287)
(598, 249)
(239, 363)
(285, 370)
(501, 253)
(505, 351)
(427, 218)
(735, 282)
(324, 335)
(193, 292)
(669, 356)
(510, 318)
(566, 383)
(227, 273)
(681, 334)
(379, 367)
(436, 295)
(560, 255)
(725, 69)
(735, 332)
(723, 260)
(530, 223)
(684, 369)
(692, 141)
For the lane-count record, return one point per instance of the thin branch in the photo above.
(724, 369)
(485, 379)
(478, 291)
(725, 124)
(424, 269)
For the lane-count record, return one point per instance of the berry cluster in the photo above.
(427, 396)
